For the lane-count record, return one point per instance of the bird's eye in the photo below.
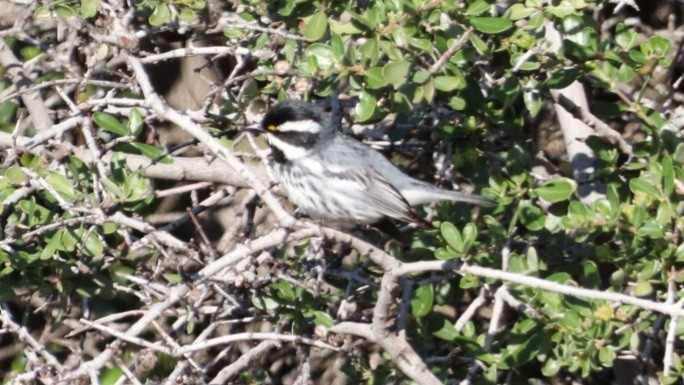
(271, 127)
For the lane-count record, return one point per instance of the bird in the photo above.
(335, 178)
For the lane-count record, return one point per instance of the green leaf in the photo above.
(102, 51)
(421, 76)
(571, 320)
(556, 190)
(607, 356)
(449, 83)
(648, 270)
(458, 103)
(452, 236)
(109, 228)
(320, 318)
(637, 56)
(263, 302)
(643, 289)
(659, 45)
(423, 44)
(233, 33)
(42, 13)
(651, 229)
(365, 108)
(370, 51)
(90, 244)
(161, 15)
(15, 175)
(592, 279)
(625, 37)
(375, 78)
(284, 290)
(173, 278)
(524, 344)
(604, 313)
(337, 45)
(562, 78)
(551, 368)
(51, 246)
(110, 376)
(510, 91)
(561, 10)
(109, 123)
(580, 40)
(519, 11)
(532, 97)
(491, 25)
(324, 54)
(65, 12)
(446, 253)
(480, 45)
(135, 187)
(69, 241)
(478, 7)
(446, 331)
(422, 301)
(427, 91)
(316, 27)
(531, 216)
(89, 8)
(152, 152)
(63, 185)
(668, 175)
(187, 15)
(396, 72)
(469, 236)
(645, 186)
(29, 52)
(135, 122)
(344, 28)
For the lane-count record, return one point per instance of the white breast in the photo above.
(321, 197)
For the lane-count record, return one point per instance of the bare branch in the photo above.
(171, 115)
(602, 129)
(243, 362)
(40, 116)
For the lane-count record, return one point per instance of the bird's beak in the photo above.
(256, 127)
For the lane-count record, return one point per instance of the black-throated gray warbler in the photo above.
(333, 177)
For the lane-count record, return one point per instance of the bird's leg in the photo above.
(251, 207)
(388, 228)
(316, 260)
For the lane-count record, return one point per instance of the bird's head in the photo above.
(294, 129)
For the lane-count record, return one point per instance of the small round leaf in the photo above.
(491, 25)
(316, 27)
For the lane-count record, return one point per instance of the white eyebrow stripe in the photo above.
(308, 126)
(290, 151)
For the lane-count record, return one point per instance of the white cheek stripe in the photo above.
(308, 126)
(291, 152)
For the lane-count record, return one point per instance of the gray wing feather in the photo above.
(380, 193)
(414, 191)
(387, 200)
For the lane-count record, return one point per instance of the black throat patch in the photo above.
(278, 155)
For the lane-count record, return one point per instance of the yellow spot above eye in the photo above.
(272, 127)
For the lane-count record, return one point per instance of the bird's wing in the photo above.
(417, 192)
(385, 198)
(379, 193)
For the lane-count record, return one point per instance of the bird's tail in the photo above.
(423, 196)
(471, 198)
